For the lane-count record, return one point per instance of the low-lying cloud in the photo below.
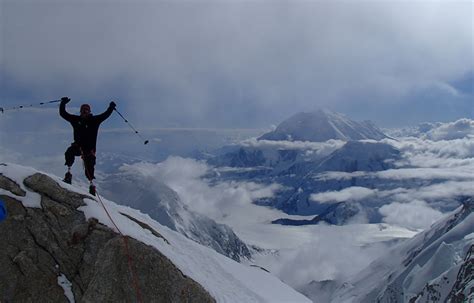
(218, 201)
(459, 129)
(332, 255)
(313, 150)
(321, 147)
(416, 214)
(354, 193)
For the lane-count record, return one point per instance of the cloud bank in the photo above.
(225, 199)
(234, 64)
(354, 193)
(416, 214)
(455, 130)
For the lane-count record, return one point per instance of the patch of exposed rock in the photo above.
(39, 244)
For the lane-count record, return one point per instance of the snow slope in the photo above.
(431, 257)
(136, 189)
(225, 279)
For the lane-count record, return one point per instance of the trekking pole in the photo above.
(131, 126)
(2, 110)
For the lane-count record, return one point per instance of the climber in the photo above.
(3, 211)
(86, 127)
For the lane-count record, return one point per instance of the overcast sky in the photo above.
(242, 63)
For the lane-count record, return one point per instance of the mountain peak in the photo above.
(322, 125)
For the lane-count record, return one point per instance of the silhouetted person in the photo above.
(86, 127)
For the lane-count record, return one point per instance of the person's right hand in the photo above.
(65, 100)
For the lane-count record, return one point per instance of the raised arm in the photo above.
(62, 109)
(107, 113)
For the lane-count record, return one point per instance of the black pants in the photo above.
(88, 156)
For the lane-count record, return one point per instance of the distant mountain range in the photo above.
(299, 172)
(322, 125)
(304, 169)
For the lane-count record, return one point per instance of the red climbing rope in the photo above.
(127, 253)
(125, 241)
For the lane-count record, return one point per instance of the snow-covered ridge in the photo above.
(434, 256)
(133, 188)
(224, 279)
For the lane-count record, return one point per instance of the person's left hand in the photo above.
(112, 105)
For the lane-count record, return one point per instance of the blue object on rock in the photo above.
(3, 211)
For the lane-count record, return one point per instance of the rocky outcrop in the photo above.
(40, 244)
(9, 185)
(463, 289)
(461, 281)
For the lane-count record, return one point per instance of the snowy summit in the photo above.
(322, 125)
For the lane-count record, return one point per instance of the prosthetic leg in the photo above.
(68, 176)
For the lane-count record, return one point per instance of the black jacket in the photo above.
(85, 129)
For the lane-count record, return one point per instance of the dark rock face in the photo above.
(463, 289)
(11, 186)
(247, 158)
(336, 214)
(219, 237)
(39, 244)
(435, 290)
(159, 279)
(293, 222)
(242, 157)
